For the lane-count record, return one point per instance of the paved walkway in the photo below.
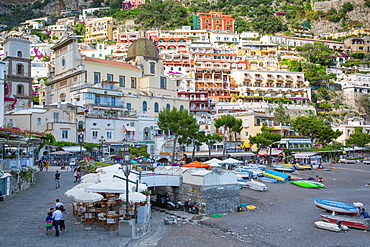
(22, 217)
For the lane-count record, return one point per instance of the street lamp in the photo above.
(80, 140)
(101, 141)
(269, 162)
(126, 172)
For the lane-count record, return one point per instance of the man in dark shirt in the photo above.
(366, 216)
(57, 179)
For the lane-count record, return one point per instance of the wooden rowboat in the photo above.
(352, 222)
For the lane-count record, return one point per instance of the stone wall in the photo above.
(23, 183)
(327, 5)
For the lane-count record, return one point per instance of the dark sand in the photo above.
(285, 215)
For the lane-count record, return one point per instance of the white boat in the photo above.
(284, 168)
(254, 185)
(331, 226)
(256, 171)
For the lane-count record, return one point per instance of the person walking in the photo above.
(366, 216)
(46, 165)
(49, 224)
(76, 175)
(57, 179)
(57, 217)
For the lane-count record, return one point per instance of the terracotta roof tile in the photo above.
(108, 62)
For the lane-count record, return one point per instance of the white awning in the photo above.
(130, 128)
(302, 155)
(6, 174)
(74, 149)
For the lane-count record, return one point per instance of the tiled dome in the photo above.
(142, 47)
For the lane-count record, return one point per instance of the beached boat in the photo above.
(350, 221)
(242, 183)
(303, 167)
(279, 174)
(330, 226)
(308, 184)
(337, 207)
(273, 176)
(284, 168)
(270, 180)
(254, 185)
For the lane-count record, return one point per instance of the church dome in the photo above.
(142, 47)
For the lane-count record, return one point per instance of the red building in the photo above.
(198, 101)
(213, 20)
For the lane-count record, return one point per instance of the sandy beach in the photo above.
(284, 216)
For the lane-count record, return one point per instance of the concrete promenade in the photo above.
(22, 217)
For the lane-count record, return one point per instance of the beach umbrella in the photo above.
(214, 160)
(231, 161)
(82, 185)
(107, 187)
(134, 162)
(90, 179)
(84, 196)
(133, 197)
(107, 169)
(73, 191)
(60, 153)
(281, 155)
(196, 164)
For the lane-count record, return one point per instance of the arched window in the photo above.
(80, 125)
(181, 107)
(146, 133)
(145, 106)
(20, 90)
(168, 107)
(38, 121)
(19, 69)
(62, 97)
(156, 107)
(19, 54)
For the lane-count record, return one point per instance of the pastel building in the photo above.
(213, 20)
(101, 29)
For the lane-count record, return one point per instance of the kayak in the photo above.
(273, 176)
(308, 184)
(335, 206)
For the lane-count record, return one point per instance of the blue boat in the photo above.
(279, 174)
(337, 207)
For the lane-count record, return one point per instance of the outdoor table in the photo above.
(113, 215)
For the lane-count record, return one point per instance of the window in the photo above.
(38, 121)
(64, 134)
(152, 68)
(156, 107)
(96, 77)
(163, 82)
(168, 107)
(94, 134)
(145, 106)
(19, 54)
(128, 106)
(56, 117)
(246, 134)
(133, 82)
(19, 69)
(109, 135)
(109, 77)
(20, 89)
(121, 81)
(181, 107)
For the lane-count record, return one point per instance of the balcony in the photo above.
(199, 108)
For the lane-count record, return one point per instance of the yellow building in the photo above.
(259, 56)
(101, 29)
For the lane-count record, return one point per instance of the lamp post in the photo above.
(126, 172)
(101, 141)
(80, 140)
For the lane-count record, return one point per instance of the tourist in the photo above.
(319, 179)
(49, 223)
(62, 222)
(58, 203)
(57, 179)
(57, 216)
(46, 165)
(366, 216)
(76, 175)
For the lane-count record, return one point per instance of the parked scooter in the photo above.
(1, 196)
(191, 207)
(180, 205)
(170, 205)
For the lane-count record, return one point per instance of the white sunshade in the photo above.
(107, 187)
(83, 185)
(73, 191)
(214, 160)
(90, 179)
(133, 197)
(232, 161)
(108, 169)
(84, 196)
(74, 149)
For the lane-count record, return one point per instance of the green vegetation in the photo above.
(229, 124)
(358, 138)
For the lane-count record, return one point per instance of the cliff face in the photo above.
(361, 14)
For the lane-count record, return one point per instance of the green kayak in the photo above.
(308, 184)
